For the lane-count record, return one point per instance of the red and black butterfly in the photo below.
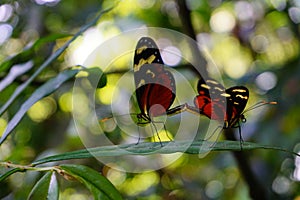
(218, 103)
(155, 86)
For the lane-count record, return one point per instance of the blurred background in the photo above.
(253, 43)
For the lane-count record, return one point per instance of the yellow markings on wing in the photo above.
(142, 62)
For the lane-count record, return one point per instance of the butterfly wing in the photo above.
(211, 99)
(237, 98)
(154, 84)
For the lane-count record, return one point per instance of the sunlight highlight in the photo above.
(222, 21)
(3, 124)
(164, 136)
(65, 102)
(42, 109)
(106, 94)
(140, 183)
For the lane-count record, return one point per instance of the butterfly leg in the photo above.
(241, 138)
(139, 136)
(156, 134)
(139, 139)
(165, 129)
(167, 133)
(217, 138)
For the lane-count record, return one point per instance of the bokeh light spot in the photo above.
(259, 43)
(266, 81)
(244, 10)
(83, 46)
(144, 181)
(65, 102)
(6, 12)
(42, 109)
(106, 94)
(279, 4)
(47, 2)
(214, 189)
(236, 67)
(296, 174)
(294, 14)
(6, 31)
(222, 21)
(281, 185)
(146, 4)
(117, 177)
(171, 55)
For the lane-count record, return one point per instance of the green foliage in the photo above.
(46, 89)
(30, 52)
(45, 188)
(263, 39)
(97, 184)
(197, 147)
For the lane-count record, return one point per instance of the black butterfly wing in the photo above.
(211, 100)
(237, 98)
(154, 84)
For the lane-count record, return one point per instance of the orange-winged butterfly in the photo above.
(155, 85)
(218, 103)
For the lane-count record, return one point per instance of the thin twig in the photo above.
(27, 167)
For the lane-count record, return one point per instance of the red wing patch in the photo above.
(213, 109)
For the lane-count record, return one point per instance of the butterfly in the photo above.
(155, 85)
(218, 103)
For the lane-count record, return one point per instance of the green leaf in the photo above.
(41, 92)
(53, 57)
(15, 71)
(8, 173)
(29, 53)
(96, 73)
(155, 148)
(100, 187)
(45, 188)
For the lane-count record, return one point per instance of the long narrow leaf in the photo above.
(15, 71)
(28, 53)
(41, 92)
(100, 187)
(155, 148)
(53, 57)
(8, 173)
(45, 188)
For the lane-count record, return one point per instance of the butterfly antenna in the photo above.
(259, 104)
